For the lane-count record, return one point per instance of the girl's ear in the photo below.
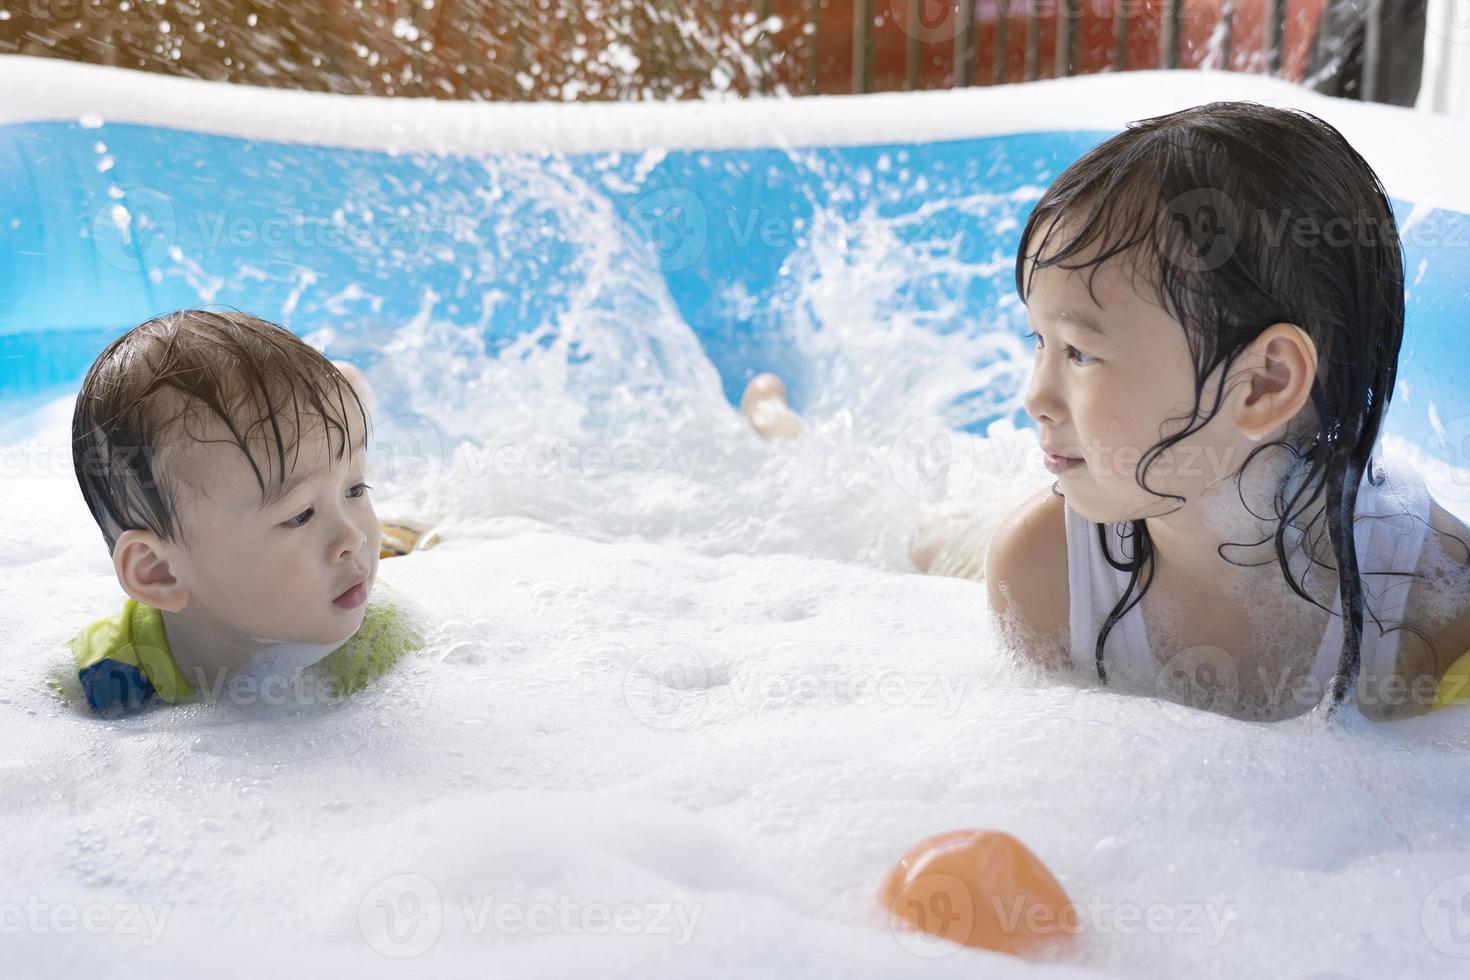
(143, 572)
(1281, 364)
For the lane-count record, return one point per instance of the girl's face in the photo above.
(1111, 379)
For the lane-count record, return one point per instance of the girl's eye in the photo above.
(358, 491)
(1077, 356)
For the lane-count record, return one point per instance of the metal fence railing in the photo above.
(1139, 35)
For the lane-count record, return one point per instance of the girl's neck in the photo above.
(1237, 517)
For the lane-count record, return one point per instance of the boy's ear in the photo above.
(1283, 361)
(143, 572)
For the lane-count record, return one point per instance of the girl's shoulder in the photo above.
(1452, 532)
(1437, 605)
(1026, 575)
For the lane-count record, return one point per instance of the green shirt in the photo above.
(123, 662)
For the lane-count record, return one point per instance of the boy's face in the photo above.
(276, 571)
(1108, 397)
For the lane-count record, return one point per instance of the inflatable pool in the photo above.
(685, 700)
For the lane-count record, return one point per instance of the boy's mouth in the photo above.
(354, 596)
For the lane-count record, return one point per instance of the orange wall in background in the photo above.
(630, 49)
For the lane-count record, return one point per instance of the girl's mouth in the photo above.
(1060, 464)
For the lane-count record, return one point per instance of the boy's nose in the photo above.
(350, 541)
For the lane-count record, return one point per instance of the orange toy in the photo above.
(401, 537)
(979, 888)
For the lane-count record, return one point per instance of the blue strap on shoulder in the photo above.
(113, 687)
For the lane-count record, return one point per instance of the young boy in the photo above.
(223, 459)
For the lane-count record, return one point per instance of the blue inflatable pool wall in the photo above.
(108, 224)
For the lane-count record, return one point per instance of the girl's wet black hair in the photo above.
(1240, 216)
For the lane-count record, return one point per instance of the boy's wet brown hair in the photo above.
(139, 397)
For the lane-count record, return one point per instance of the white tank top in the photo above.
(1390, 544)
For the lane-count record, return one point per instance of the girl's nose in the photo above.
(1042, 403)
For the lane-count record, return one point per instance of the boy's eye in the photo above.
(1077, 356)
(301, 519)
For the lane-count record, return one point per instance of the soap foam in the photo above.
(714, 695)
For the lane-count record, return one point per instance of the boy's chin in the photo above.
(327, 633)
(350, 625)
